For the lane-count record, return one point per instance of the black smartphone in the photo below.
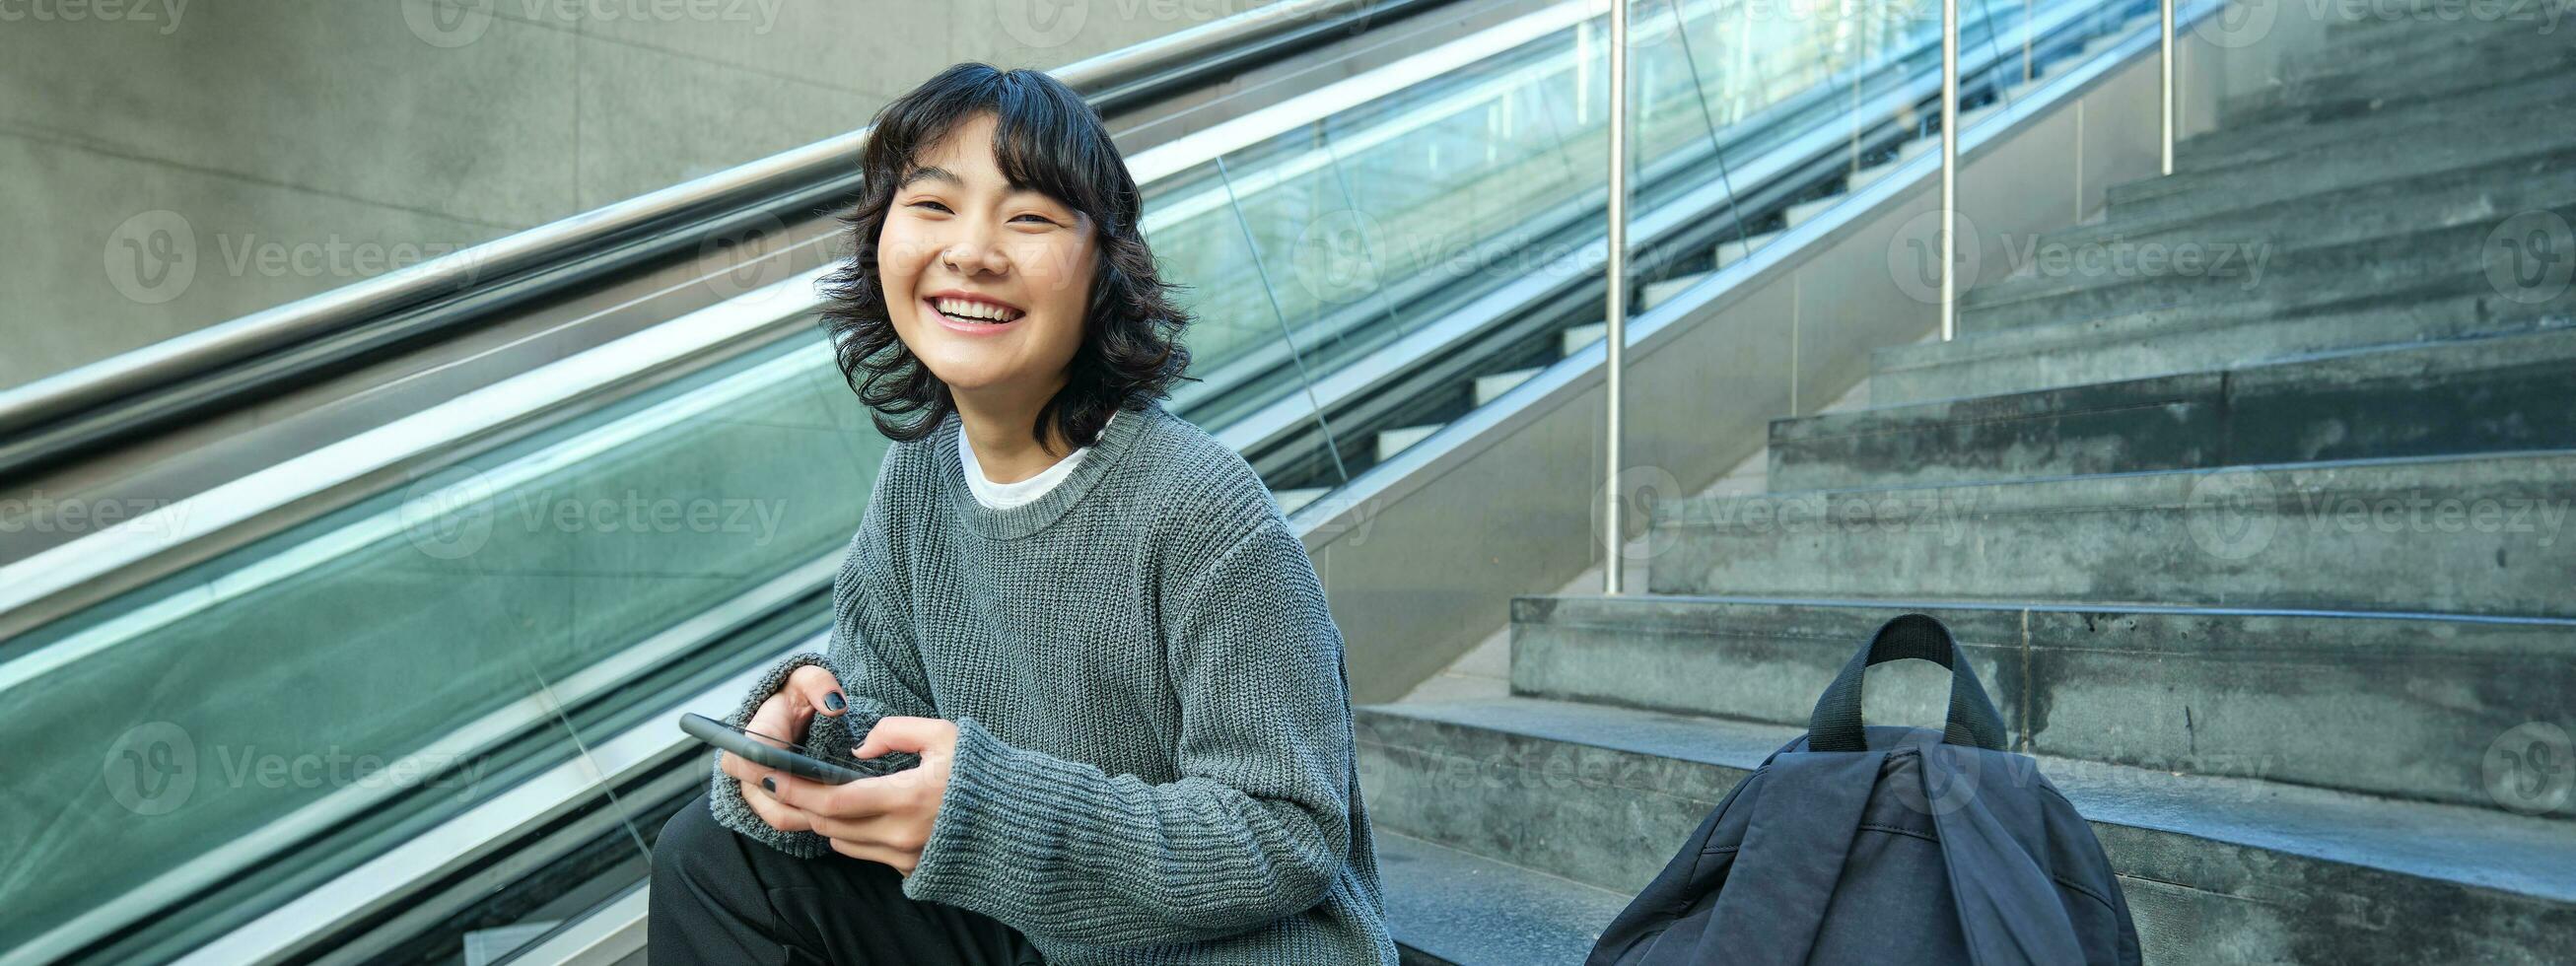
(831, 768)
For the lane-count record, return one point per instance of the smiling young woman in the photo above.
(1078, 623)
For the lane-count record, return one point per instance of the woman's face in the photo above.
(986, 284)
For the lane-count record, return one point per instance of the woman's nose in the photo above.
(973, 252)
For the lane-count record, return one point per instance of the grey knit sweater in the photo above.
(1155, 760)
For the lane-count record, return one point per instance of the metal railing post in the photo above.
(2165, 57)
(1615, 270)
(1949, 168)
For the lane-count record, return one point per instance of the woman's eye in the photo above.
(1040, 219)
(930, 205)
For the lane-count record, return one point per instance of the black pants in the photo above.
(721, 898)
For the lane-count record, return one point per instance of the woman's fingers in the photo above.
(818, 689)
(902, 862)
(778, 815)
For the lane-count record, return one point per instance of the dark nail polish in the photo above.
(771, 784)
(834, 702)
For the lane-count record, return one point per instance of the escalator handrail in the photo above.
(60, 579)
(103, 402)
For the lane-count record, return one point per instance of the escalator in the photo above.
(401, 691)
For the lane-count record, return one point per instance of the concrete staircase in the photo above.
(1575, 338)
(2275, 573)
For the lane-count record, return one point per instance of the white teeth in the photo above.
(971, 309)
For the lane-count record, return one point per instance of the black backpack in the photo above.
(1856, 844)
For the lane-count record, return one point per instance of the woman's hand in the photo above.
(809, 690)
(886, 818)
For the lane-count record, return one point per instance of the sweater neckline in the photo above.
(1011, 523)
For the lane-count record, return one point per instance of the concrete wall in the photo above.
(171, 163)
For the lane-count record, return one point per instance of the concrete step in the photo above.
(2412, 265)
(2348, 54)
(1393, 441)
(1448, 907)
(1579, 337)
(2187, 339)
(2375, 698)
(2502, 103)
(2434, 66)
(2476, 396)
(2216, 870)
(2485, 534)
(2374, 210)
(1490, 388)
(2466, 144)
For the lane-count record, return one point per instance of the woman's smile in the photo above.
(970, 313)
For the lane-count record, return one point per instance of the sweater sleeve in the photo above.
(871, 652)
(1255, 828)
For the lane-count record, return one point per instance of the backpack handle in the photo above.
(1836, 724)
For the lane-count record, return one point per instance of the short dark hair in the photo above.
(1046, 138)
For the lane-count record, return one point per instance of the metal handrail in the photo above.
(159, 384)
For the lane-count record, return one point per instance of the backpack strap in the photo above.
(2009, 906)
(1836, 724)
(1800, 833)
